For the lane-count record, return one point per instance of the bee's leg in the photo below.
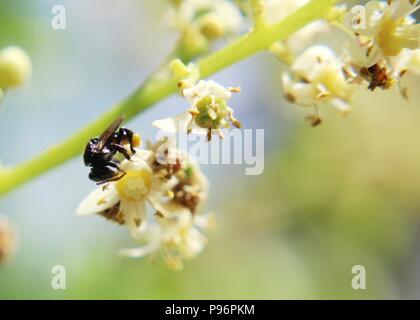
(115, 165)
(116, 178)
(112, 175)
(126, 136)
(130, 136)
(121, 149)
(106, 173)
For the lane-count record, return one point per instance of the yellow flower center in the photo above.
(135, 185)
(388, 39)
(335, 84)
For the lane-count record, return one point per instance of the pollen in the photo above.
(135, 185)
(136, 140)
(389, 43)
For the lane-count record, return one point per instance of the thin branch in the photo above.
(258, 14)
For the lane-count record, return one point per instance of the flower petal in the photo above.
(135, 217)
(179, 123)
(99, 200)
(152, 236)
(205, 88)
(303, 94)
(403, 8)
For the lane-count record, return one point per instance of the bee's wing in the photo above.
(103, 138)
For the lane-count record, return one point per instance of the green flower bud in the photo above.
(211, 27)
(193, 43)
(179, 69)
(15, 67)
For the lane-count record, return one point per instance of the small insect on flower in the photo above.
(164, 180)
(100, 153)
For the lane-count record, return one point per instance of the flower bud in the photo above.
(211, 27)
(194, 43)
(179, 69)
(15, 67)
(7, 240)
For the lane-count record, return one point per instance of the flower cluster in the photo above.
(161, 192)
(383, 46)
(158, 193)
(15, 68)
(159, 200)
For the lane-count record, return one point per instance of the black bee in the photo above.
(100, 152)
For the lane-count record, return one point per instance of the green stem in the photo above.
(258, 14)
(155, 90)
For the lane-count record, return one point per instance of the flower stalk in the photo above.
(156, 89)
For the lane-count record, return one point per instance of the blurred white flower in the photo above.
(8, 240)
(277, 10)
(213, 18)
(176, 237)
(317, 77)
(365, 64)
(209, 111)
(389, 28)
(386, 42)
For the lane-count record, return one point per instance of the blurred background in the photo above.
(342, 194)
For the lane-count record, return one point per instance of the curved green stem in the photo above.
(156, 89)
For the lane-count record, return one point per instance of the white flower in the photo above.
(362, 54)
(388, 26)
(382, 73)
(209, 110)
(125, 200)
(177, 237)
(277, 10)
(214, 18)
(317, 77)
(189, 186)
